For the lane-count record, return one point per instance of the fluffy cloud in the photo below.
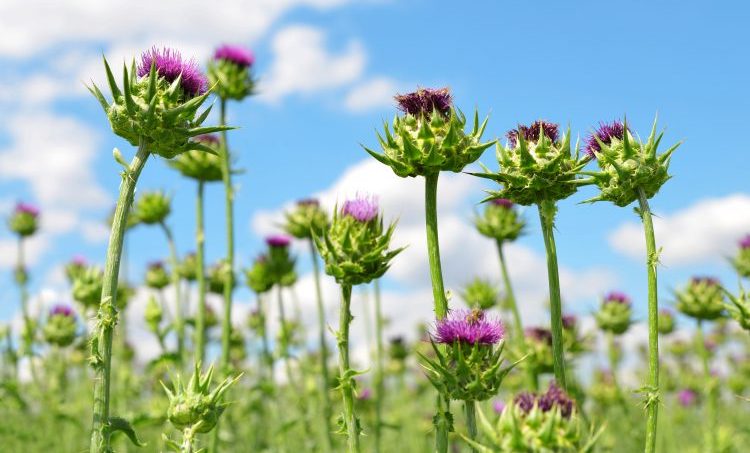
(371, 94)
(705, 231)
(302, 64)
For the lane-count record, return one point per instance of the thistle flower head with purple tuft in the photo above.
(687, 397)
(616, 297)
(469, 327)
(534, 132)
(744, 243)
(208, 139)
(362, 208)
(278, 240)
(238, 55)
(502, 202)
(605, 133)
(308, 202)
(26, 208)
(61, 310)
(169, 65)
(425, 101)
(539, 334)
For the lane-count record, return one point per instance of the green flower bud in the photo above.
(75, 268)
(305, 218)
(258, 276)
(230, 72)
(200, 165)
(61, 327)
(539, 350)
(188, 267)
(603, 389)
(480, 294)
(430, 136)
(500, 221)
(666, 322)
(535, 166)
(219, 275)
(157, 276)
(741, 261)
(87, 287)
(615, 314)
(158, 104)
(397, 352)
(152, 207)
(627, 165)
(256, 321)
(194, 405)
(279, 263)
(153, 314)
(355, 247)
(702, 298)
(24, 220)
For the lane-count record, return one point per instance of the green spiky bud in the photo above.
(230, 72)
(666, 322)
(153, 314)
(219, 276)
(152, 207)
(741, 261)
(429, 137)
(702, 298)
(603, 389)
(306, 217)
(24, 220)
(480, 294)
(538, 350)
(627, 165)
(739, 309)
(615, 314)
(258, 276)
(256, 321)
(157, 276)
(75, 268)
(87, 287)
(158, 104)
(500, 221)
(279, 263)
(200, 165)
(536, 166)
(355, 247)
(188, 267)
(194, 404)
(61, 327)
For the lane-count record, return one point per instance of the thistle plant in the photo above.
(630, 170)
(355, 250)
(739, 307)
(24, 222)
(469, 369)
(666, 321)
(741, 261)
(615, 313)
(538, 167)
(536, 423)
(260, 281)
(157, 111)
(61, 327)
(308, 217)
(74, 268)
(429, 138)
(480, 294)
(194, 407)
(203, 168)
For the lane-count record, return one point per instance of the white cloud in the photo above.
(705, 231)
(302, 64)
(34, 248)
(371, 94)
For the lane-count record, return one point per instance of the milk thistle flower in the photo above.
(615, 313)
(200, 165)
(220, 276)
(741, 261)
(87, 287)
(355, 250)
(24, 220)
(157, 276)
(279, 262)
(61, 327)
(539, 349)
(230, 71)
(152, 207)
(258, 276)
(630, 170)
(702, 299)
(536, 423)
(74, 268)
(687, 397)
(480, 294)
(666, 321)
(306, 216)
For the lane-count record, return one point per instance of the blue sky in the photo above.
(327, 71)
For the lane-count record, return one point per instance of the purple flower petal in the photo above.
(236, 54)
(469, 327)
(278, 240)
(169, 65)
(605, 133)
(425, 100)
(362, 208)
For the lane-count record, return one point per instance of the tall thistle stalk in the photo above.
(538, 168)
(379, 368)
(157, 111)
(179, 322)
(630, 171)
(200, 275)
(712, 396)
(347, 388)
(24, 222)
(226, 172)
(429, 138)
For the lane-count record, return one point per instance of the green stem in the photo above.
(325, 394)
(267, 356)
(470, 410)
(107, 316)
(547, 210)
(226, 173)
(188, 437)
(711, 428)
(178, 319)
(284, 336)
(652, 258)
(347, 382)
(200, 271)
(613, 366)
(379, 368)
(442, 424)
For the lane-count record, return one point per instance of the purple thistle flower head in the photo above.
(502, 202)
(708, 281)
(278, 240)
(745, 242)
(363, 209)
(498, 406)
(533, 132)
(62, 310)
(617, 297)
(238, 55)
(26, 208)
(539, 334)
(207, 139)
(687, 397)
(156, 265)
(605, 133)
(569, 321)
(79, 260)
(308, 202)
(424, 101)
(169, 65)
(556, 396)
(469, 327)
(525, 401)
(365, 395)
